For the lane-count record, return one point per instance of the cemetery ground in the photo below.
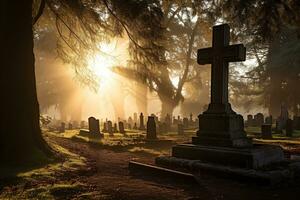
(88, 168)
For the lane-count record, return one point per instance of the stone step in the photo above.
(161, 172)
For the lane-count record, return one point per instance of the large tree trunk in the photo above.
(20, 135)
(167, 107)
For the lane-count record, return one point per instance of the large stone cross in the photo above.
(219, 55)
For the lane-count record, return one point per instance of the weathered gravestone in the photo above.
(269, 120)
(135, 126)
(70, 126)
(104, 127)
(129, 126)
(82, 124)
(115, 129)
(121, 127)
(94, 126)
(258, 119)
(185, 122)
(75, 124)
(180, 129)
(151, 128)
(135, 120)
(284, 116)
(289, 128)
(278, 128)
(297, 122)
(142, 125)
(130, 121)
(266, 131)
(162, 127)
(109, 127)
(191, 121)
(168, 122)
(62, 127)
(249, 120)
(221, 138)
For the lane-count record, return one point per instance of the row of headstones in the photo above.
(266, 129)
(258, 120)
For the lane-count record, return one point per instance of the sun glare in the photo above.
(110, 54)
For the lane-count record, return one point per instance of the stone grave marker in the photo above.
(185, 122)
(259, 119)
(109, 127)
(135, 120)
(121, 128)
(289, 128)
(180, 129)
(70, 126)
(249, 120)
(94, 125)
(142, 125)
(151, 129)
(135, 126)
(297, 122)
(269, 120)
(62, 127)
(168, 122)
(115, 129)
(266, 131)
(82, 124)
(217, 140)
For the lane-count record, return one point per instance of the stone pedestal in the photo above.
(266, 131)
(255, 157)
(221, 129)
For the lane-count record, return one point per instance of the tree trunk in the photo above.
(167, 107)
(21, 141)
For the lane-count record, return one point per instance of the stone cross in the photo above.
(219, 55)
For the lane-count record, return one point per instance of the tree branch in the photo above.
(40, 11)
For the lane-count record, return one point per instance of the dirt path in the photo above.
(112, 178)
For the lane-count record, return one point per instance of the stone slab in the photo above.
(141, 168)
(253, 158)
(286, 172)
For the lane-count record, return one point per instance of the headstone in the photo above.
(191, 121)
(135, 120)
(162, 127)
(168, 122)
(109, 127)
(180, 129)
(221, 139)
(284, 116)
(130, 122)
(70, 126)
(135, 126)
(266, 131)
(278, 128)
(121, 127)
(185, 122)
(249, 120)
(142, 125)
(82, 124)
(129, 126)
(75, 124)
(94, 125)
(62, 127)
(269, 120)
(151, 128)
(259, 119)
(289, 128)
(115, 129)
(297, 122)
(105, 130)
